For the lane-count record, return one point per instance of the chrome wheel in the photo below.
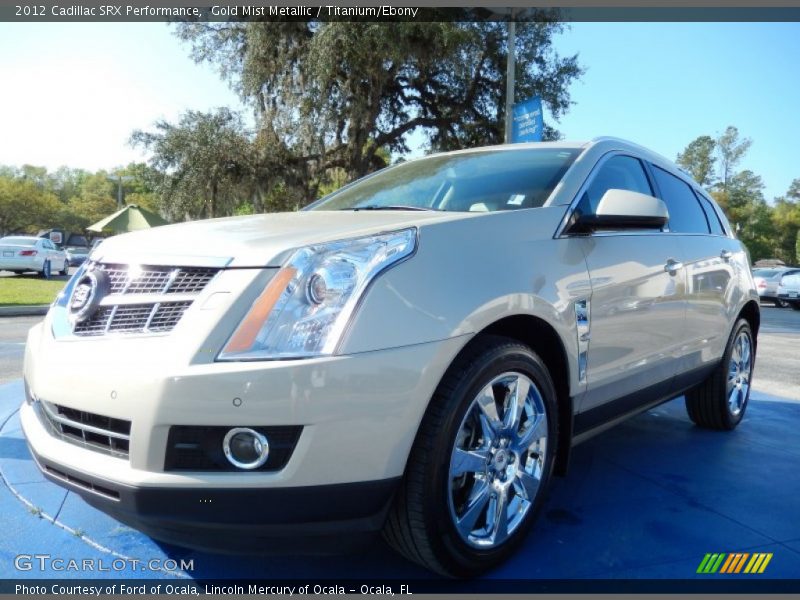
(498, 460)
(740, 368)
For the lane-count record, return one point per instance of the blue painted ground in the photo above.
(645, 500)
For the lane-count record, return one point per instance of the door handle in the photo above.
(672, 266)
(726, 255)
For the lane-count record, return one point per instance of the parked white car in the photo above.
(767, 281)
(416, 353)
(789, 290)
(21, 253)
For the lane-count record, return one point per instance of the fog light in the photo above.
(245, 448)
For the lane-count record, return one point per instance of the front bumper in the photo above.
(359, 415)
(317, 519)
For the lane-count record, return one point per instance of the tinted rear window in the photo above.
(685, 213)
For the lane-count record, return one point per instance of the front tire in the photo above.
(795, 305)
(721, 400)
(481, 461)
(65, 270)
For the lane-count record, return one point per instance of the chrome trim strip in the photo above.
(128, 299)
(583, 328)
(78, 425)
(110, 320)
(153, 311)
(65, 478)
(173, 275)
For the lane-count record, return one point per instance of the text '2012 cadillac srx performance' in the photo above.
(414, 354)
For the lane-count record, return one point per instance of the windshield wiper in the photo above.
(388, 207)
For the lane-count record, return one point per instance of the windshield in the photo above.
(478, 182)
(18, 241)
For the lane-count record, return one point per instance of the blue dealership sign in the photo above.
(528, 122)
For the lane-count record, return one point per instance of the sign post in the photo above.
(528, 122)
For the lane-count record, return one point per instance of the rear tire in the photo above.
(480, 465)
(65, 270)
(795, 305)
(781, 303)
(46, 273)
(721, 400)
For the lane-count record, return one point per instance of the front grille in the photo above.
(160, 309)
(133, 318)
(191, 281)
(157, 280)
(199, 448)
(97, 432)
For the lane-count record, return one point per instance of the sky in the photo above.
(71, 93)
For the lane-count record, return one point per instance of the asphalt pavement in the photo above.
(13, 331)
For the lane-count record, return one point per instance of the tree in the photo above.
(66, 183)
(730, 150)
(205, 163)
(698, 159)
(331, 95)
(793, 193)
(786, 224)
(95, 201)
(748, 211)
(25, 207)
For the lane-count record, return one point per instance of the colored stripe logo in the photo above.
(737, 562)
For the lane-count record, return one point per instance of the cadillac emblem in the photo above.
(86, 295)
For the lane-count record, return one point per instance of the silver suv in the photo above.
(414, 354)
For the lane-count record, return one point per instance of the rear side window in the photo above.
(617, 173)
(685, 213)
(711, 215)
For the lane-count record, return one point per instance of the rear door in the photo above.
(710, 259)
(637, 307)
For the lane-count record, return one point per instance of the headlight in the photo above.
(306, 306)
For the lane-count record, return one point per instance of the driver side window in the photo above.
(620, 173)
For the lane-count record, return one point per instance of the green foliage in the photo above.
(27, 290)
(147, 200)
(96, 199)
(730, 150)
(785, 228)
(200, 164)
(698, 159)
(768, 230)
(797, 247)
(31, 198)
(24, 206)
(333, 98)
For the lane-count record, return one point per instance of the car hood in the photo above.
(255, 240)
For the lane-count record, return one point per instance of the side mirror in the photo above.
(623, 209)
